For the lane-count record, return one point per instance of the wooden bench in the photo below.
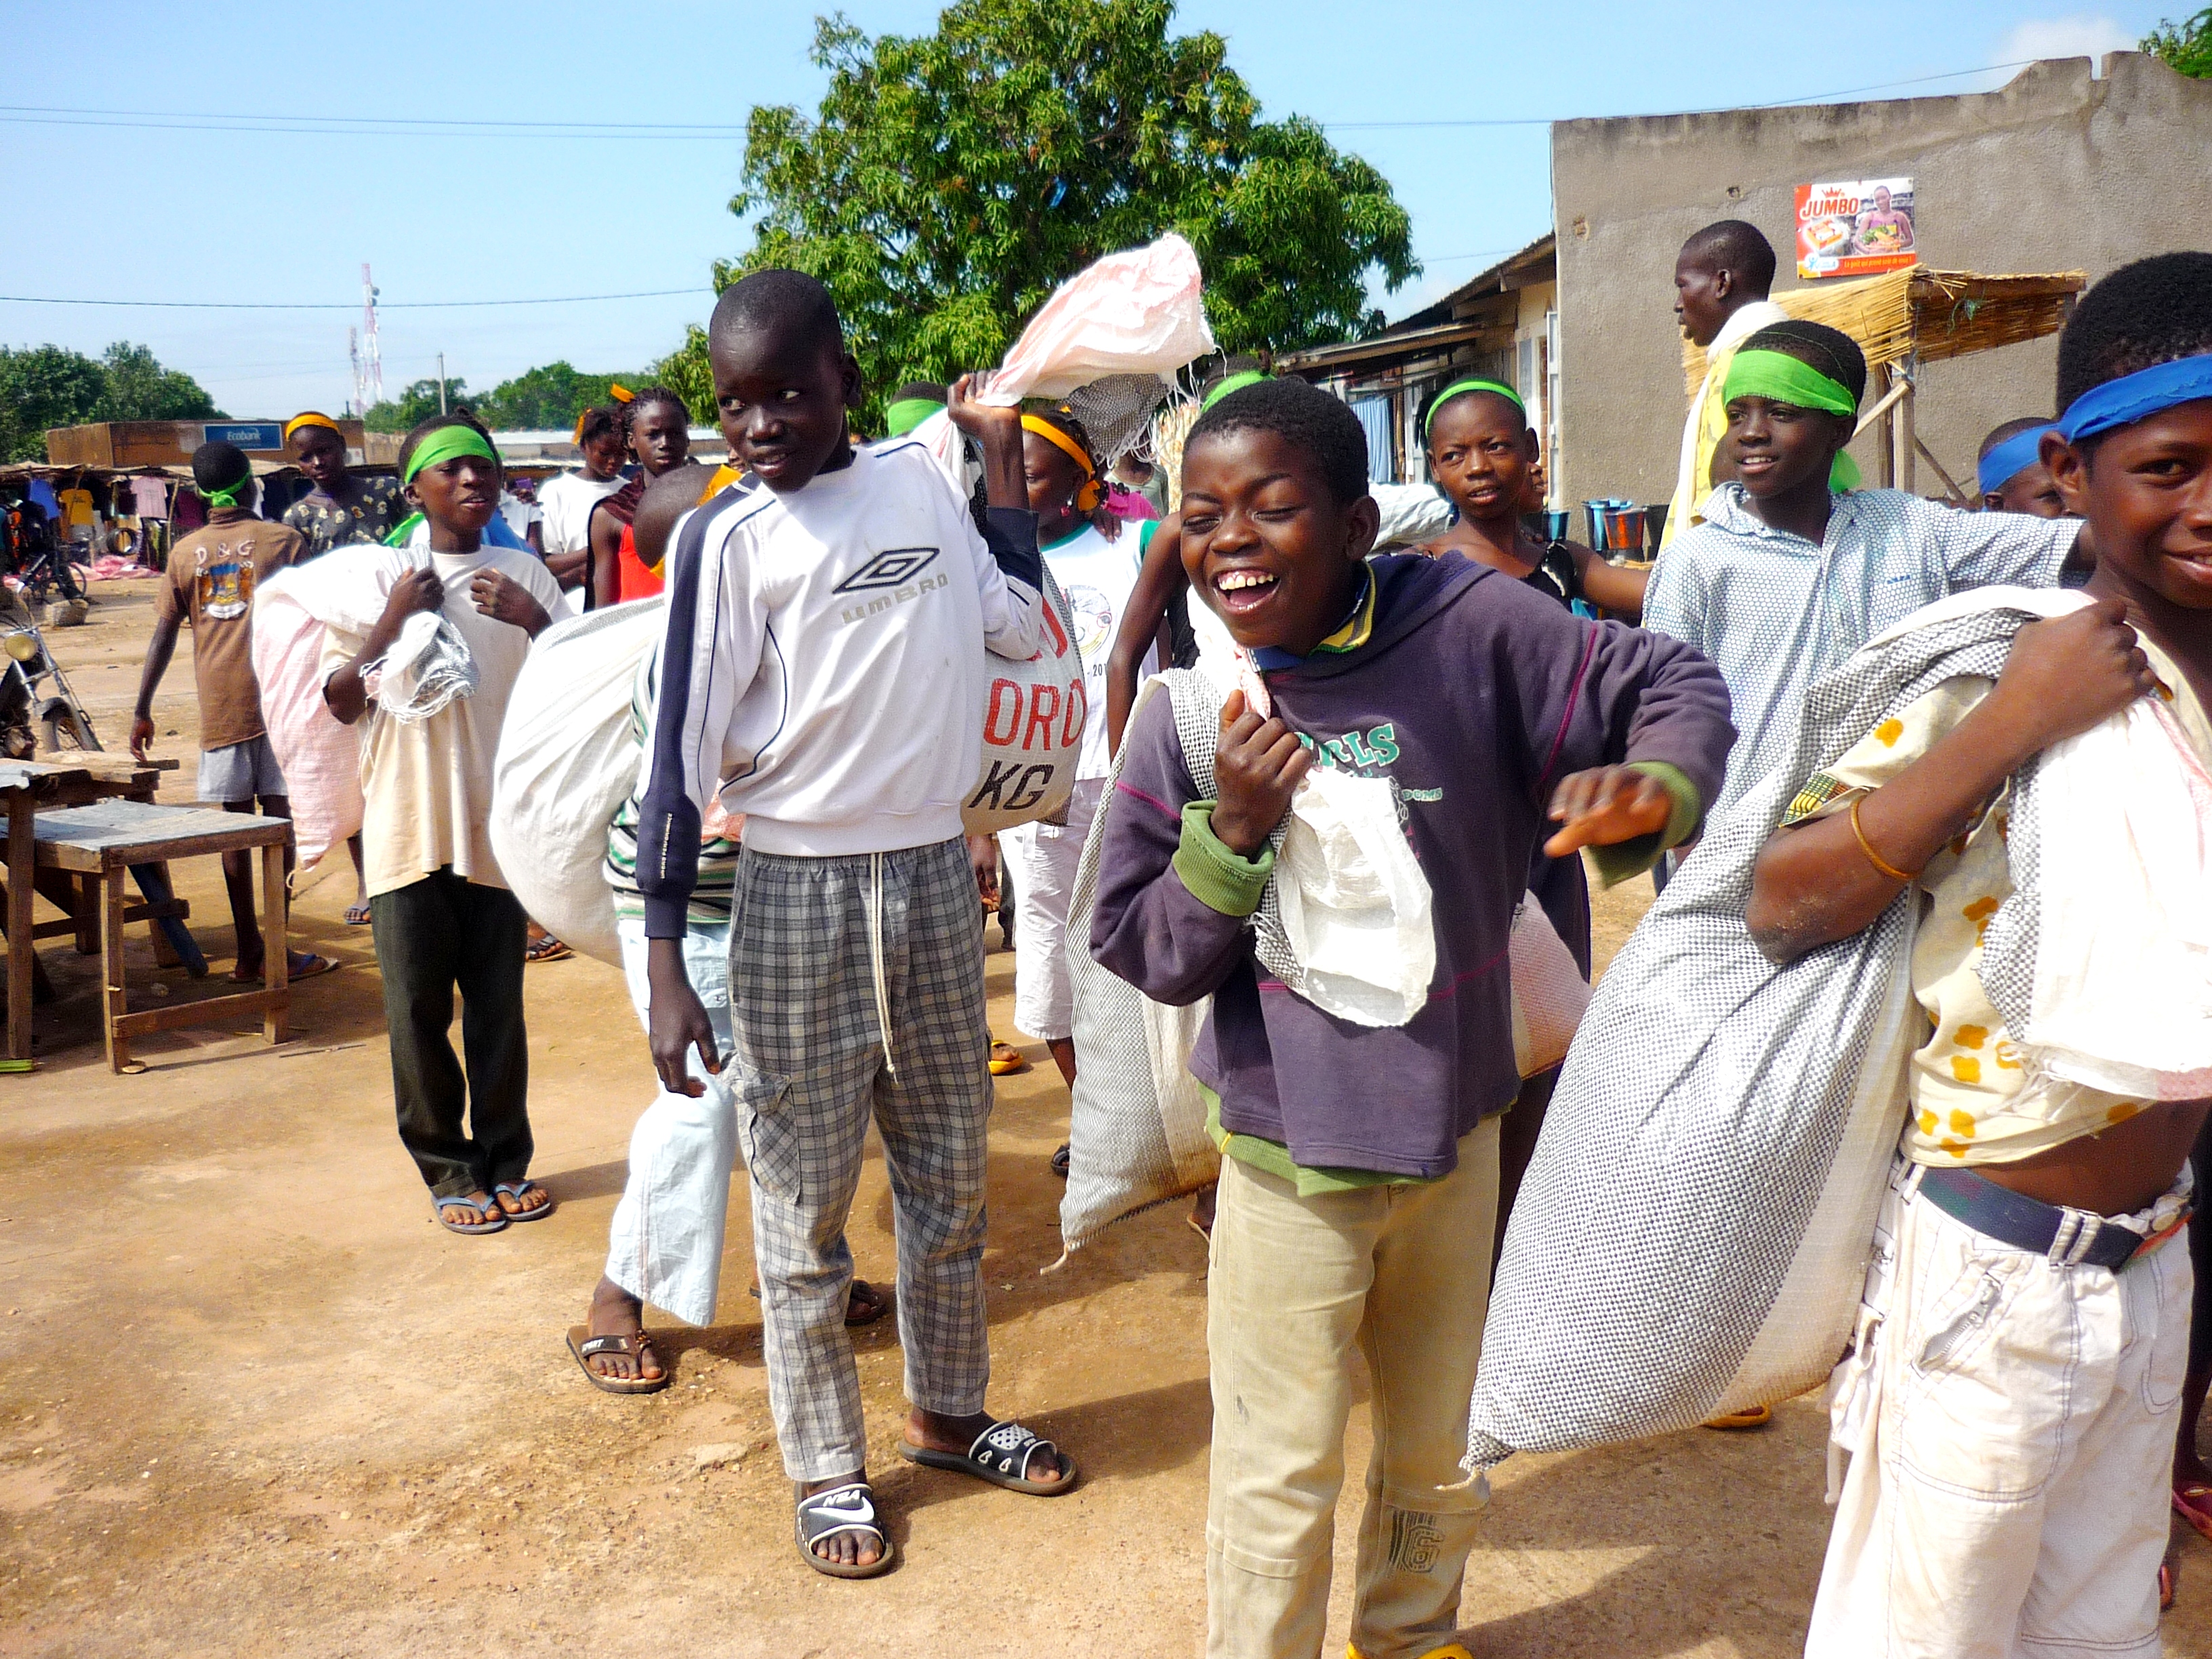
(105, 839)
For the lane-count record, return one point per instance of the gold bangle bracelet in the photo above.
(1872, 857)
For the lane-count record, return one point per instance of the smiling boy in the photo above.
(1360, 1181)
(1796, 567)
(2031, 1311)
(825, 674)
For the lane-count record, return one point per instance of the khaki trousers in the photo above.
(1404, 1272)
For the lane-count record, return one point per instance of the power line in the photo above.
(444, 127)
(326, 305)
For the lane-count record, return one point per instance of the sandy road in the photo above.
(254, 1401)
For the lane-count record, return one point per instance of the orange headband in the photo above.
(1088, 497)
(311, 418)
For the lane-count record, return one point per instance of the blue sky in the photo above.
(127, 213)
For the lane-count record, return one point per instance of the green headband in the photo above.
(229, 494)
(1458, 388)
(908, 413)
(1236, 382)
(448, 443)
(1778, 376)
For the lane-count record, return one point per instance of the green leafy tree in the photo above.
(549, 398)
(45, 386)
(417, 403)
(946, 183)
(137, 388)
(2187, 45)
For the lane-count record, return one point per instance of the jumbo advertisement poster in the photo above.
(1854, 229)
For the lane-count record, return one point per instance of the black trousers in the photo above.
(434, 936)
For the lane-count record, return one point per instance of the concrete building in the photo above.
(2056, 171)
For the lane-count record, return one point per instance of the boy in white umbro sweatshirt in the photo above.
(825, 674)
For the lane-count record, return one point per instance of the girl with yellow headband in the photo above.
(341, 509)
(1097, 570)
(444, 917)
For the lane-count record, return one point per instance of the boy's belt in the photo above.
(2029, 1223)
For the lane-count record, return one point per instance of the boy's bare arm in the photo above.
(159, 650)
(1000, 430)
(1815, 884)
(1143, 623)
(675, 1020)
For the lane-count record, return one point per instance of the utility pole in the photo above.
(441, 383)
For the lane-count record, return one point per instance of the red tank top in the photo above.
(632, 580)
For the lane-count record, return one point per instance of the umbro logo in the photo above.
(888, 569)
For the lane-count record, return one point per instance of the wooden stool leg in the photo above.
(276, 955)
(85, 912)
(22, 848)
(111, 966)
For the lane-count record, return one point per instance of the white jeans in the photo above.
(2012, 1419)
(665, 1245)
(1044, 857)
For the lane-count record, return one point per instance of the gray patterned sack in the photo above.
(1137, 1124)
(1693, 1232)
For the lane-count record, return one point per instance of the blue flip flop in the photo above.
(496, 1223)
(515, 1189)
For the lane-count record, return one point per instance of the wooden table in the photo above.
(26, 788)
(105, 841)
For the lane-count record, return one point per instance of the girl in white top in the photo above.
(566, 502)
(1097, 576)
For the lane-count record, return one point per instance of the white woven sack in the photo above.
(1137, 1123)
(1033, 721)
(294, 610)
(567, 759)
(1550, 995)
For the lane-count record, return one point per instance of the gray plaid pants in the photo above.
(828, 955)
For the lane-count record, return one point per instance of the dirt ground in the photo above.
(254, 1401)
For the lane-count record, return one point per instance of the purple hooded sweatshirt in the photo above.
(1475, 695)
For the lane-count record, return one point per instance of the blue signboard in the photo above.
(246, 435)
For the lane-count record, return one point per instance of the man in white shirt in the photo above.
(1721, 277)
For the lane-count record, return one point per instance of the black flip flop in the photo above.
(848, 1508)
(998, 1455)
(585, 1346)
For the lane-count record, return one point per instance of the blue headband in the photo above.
(2010, 458)
(2137, 397)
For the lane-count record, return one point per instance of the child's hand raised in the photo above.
(980, 420)
(1257, 766)
(505, 600)
(2064, 675)
(418, 590)
(1606, 805)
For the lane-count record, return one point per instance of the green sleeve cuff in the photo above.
(1217, 877)
(1617, 863)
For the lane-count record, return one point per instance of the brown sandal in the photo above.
(585, 1345)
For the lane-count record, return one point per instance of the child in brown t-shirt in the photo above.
(212, 574)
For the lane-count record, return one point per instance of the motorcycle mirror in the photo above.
(22, 647)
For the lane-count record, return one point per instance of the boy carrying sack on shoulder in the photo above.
(2028, 1311)
(443, 916)
(1359, 1187)
(824, 674)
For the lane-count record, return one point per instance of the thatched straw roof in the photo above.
(1932, 314)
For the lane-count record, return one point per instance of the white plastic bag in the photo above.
(569, 758)
(1138, 312)
(1033, 721)
(1355, 903)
